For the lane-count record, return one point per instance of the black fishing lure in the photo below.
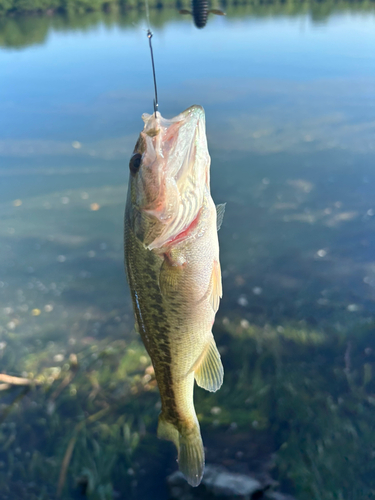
(200, 11)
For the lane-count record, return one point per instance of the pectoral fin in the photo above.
(185, 11)
(216, 288)
(220, 210)
(208, 370)
(170, 276)
(136, 326)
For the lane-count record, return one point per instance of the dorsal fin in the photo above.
(220, 210)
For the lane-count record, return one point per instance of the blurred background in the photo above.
(288, 89)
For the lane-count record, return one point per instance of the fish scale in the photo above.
(173, 270)
(151, 312)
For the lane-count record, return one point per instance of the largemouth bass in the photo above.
(173, 270)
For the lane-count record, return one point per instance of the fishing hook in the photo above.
(156, 104)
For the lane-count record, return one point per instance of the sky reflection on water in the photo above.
(290, 119)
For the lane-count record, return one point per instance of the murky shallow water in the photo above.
(290, 107)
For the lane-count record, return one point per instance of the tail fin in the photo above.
(191, 456)
(190, 449)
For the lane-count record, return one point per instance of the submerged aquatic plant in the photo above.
(300, 392)
(315, 404)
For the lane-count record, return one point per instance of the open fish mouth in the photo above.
(173, 179)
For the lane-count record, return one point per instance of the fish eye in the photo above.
(135, 163)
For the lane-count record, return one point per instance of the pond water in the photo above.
(289, 95)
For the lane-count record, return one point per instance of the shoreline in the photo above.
(53, 8)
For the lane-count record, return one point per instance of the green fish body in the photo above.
(173, 270)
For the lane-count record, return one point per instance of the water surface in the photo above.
(289, 101)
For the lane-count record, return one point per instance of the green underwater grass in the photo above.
(311, 394)
(302, 394)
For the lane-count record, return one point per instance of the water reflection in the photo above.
(21, 31)
(289, 106)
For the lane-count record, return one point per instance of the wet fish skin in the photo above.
(173, 270)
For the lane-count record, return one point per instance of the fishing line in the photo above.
(156, 104)
(149, 36)
(147, 15)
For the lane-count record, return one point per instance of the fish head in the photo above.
(169, 176)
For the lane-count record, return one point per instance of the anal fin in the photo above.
(209, 371)
(167, 431)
